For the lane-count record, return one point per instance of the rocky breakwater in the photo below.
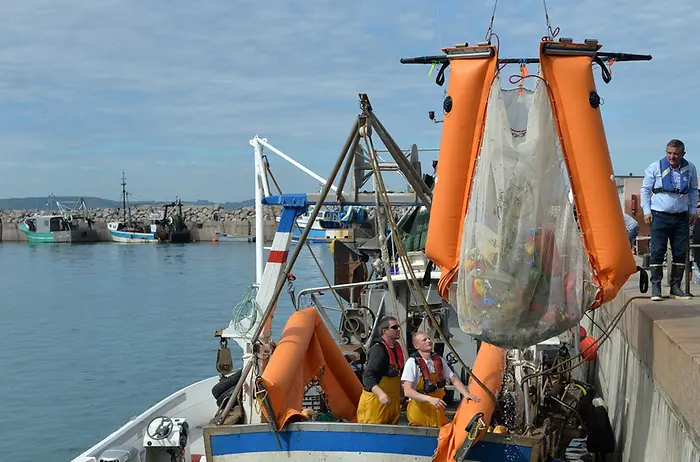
(203, 221)
(191, 213)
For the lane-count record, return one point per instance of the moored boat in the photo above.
(66, 225)
(128, 230)
(160, 227)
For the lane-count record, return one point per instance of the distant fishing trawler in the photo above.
(66, 225)
(160, 227)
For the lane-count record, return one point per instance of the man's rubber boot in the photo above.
(676, 278)
(657, 274)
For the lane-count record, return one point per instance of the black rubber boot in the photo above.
(676, 278)
(657, 274)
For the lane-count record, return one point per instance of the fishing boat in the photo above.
(296, 398)
(161, 227)
(130, 231)
(66, 225)
(172, 227)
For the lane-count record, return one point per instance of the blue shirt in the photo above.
(669, 202)
(630, 222)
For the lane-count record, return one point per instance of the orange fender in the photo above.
(469, 84)
(489, 367)
(305, 348)
(585, 151)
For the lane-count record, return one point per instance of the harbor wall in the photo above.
(203, 222)
(648, 373)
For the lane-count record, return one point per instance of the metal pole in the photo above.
(259, 222)
(295, 163)
(292, 259)
(348, 165)
(605, 56)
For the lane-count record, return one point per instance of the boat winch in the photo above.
(166, 440)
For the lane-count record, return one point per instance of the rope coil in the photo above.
(245, 314)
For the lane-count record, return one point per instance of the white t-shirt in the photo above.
(411, 371)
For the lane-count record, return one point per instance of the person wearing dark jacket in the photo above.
(380, 402)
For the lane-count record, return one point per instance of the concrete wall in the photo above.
(648, 372)
(204, 231)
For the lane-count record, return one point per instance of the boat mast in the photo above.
(126, 223)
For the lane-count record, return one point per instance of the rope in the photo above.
(546, 17)
(493, 16)
(372, 153)
(437, 9)
(246, 310)
(406, 264)
(516, 79)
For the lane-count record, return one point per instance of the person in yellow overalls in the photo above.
(380, 402)
(424, 377)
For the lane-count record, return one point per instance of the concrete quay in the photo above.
(648, 373)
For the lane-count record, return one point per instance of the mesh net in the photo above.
(523, 275)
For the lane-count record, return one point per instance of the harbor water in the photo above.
(91, 335)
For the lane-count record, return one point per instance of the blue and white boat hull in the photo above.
(127, 237)
(352, 443)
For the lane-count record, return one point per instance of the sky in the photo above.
(171, 92)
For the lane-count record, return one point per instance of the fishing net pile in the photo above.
(524, 275)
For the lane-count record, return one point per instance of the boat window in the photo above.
(57, 224)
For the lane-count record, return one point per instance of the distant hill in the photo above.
(39, 203)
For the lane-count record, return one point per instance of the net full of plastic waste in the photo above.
(523, 275)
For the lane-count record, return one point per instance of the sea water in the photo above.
(93, 334)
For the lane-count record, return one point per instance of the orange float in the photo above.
(306, 351)
(489, 366)
(468, 90)
(576, 108)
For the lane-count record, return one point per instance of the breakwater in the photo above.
(203, 221)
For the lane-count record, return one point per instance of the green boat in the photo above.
(62, 226)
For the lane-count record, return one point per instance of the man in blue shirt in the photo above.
(670, 211)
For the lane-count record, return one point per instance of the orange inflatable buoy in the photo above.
(489, 367)
(306, 351)
(587, 158)
(468, 92)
